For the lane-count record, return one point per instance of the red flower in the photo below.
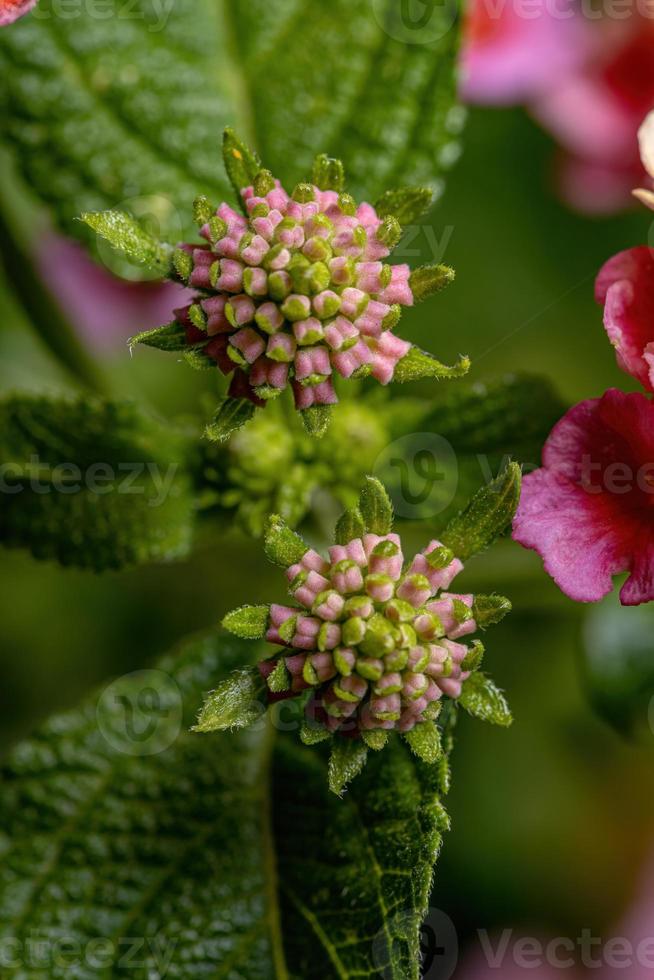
(589, 512)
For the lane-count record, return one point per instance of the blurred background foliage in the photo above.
(551, 819)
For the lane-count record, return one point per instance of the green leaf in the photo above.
(490, 609)
(487, 516)
(317, 419)
(375, 740)
(283, 546)
(482, 699)
(231, 415)
(104, 110)
(416, 365)
(248, 622)
(347, 759)
(95, 484)
(425, 741)
(104, 839)
(375, 507)
(349, 526)
(171, 337)
(237, 702)
(407, 204)
(126, 234)
(241, 164)
(430, 279)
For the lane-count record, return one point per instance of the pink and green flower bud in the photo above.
(255, 282)
(345, 660)
(347, 577)
(353, 630)
(388, 683)
(415, 589)
(378, 640)
(296, 307)
(341, 334)
(248, 343)
(276, 259)
(268, 318)
(380, 588)
(400, 611)
(329, 636)
(317, 249)
(281, 347)
(326, 304)
(370, 667)
(328, 605)
(310, 331)
(360, 606)
(387, 559)
(279, 285)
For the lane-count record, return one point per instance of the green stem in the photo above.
(42, 310)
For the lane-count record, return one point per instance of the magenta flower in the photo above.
(588, 511)
(11, 10)
(625, 285)
(509, 58)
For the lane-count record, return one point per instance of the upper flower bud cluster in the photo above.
(292, 290)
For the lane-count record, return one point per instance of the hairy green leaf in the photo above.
(249, 622)
(349, 526)
(425, 741)
(417, 365)
(430, 279)
(171, 337)
(407, 204)
(317, 419)
(127, 109)
(282, 545)
(481, 698)
(237, 702)
(347, 759)
(241, 164)
(126, 234)
(226, 855)
(232, 414)
(95, 484)
(490, 609)
(375, 507)
(486, 517)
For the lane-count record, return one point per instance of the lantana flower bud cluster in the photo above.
(296, 291)
(371, 644)
(378, 643)
(292, 289)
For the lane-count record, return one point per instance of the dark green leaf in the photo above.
(171, 337)
(126, 234)
(248, 622)
(237, 702)
(482, 699)
(96, 484)
(486, 517)
(106, 839)
(105, 110)
(282, 545)
(231, 415)
(417, 365)
(375, 507)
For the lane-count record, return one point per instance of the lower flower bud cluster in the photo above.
(378, 644)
